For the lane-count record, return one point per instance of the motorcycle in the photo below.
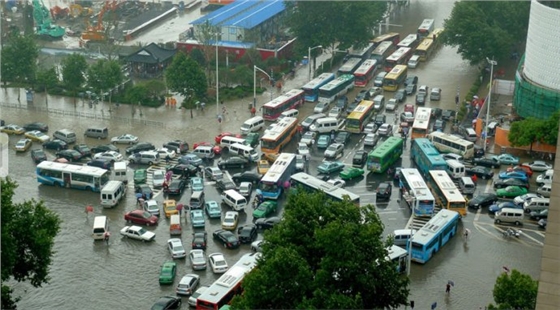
(510, 232)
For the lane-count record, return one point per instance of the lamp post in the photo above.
(409, 262)
(255, 68)
(217, 80)
(309, 59)
(492, 63)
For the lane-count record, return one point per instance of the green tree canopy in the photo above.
(324, 255)
(490, 29)
(551, 129)
(186, 77)
(28, 232)
(47, 79)
(19, 59)
(74, 69)
(104, 75)
(531, 130)
(515, 290)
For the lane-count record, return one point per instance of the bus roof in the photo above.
(323, 186)
(426, 146)
(283, 98)
(398, 54)
(446, 186)
(382, 47)
(339, 80)
(422, 118)
(417, 184)
(361, 52)
(426, 24)
(434, 225)
(320, 80)
(350, 65)
(89, 170)
(408, 40)
(366, 66)
(437, 32)
(278, 168)
(280, 127)
(395, 251)
(425, 44)
(396, 72)
(450, 138)
(387, 146)
(363, 107)
(386, 37)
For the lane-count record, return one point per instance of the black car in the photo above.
(144, 189)
(400, 95)
(342, 137)
(448, 114)
(83, 149)
(55, 145)
(267, 223)
(421, 99)
(38, 155)
(233, 162)
(342, 102)
(140, 147)
(199, 241)
(225, 184)
(410, 89)
(179, 146)
(359, 158)
(42, 127)
(486, 162)
(411, 79)
(479, 151)
(362, 95)
(69, 155)
(184, 170)
(351, 107)
(380, 119)
(227, 238)
(480, 172)
(247, 176)
(104, 148)
(247, 233)
(106, 164)
(167, 303)
(176, 187)
(383, 191)
(482, 200)
(503, 183)
(436, 113)
(439, 124)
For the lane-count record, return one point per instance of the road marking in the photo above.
(386, 212)
(477, 216)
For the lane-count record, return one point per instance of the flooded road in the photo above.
(91, 275)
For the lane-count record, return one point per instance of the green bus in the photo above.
(380, 159)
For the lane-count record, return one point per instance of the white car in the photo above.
(137, 232)
(370, 128)
(391, 104)
(229, 222)
(187, 284)
(245, 189)
(218, 262)
(303, 149)
(165, 152)
(213, 173)
(321, 107)
(521, 199)
(456, 157)
(334, 150)
(176, 248)
(197, 259)
(256, 246)
(538, 165)
(423, 90)
(335, 112)
(38, 136)
(309, 137)
(158, 178)
(109, 155)
(196, 294)
(407, 117)
(300, 163)
(125, 139)
(385, 130)
(337, 183)
(371, 139)
(152, 207)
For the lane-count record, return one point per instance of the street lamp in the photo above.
(492, 63)
(309, 59)
(409, 250)
(217, 80)
(255, 68)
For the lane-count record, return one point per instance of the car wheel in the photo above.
(129, 221)
(484, 177)
(498, 221)
(242, 166)
(147, 224)
(131, 161)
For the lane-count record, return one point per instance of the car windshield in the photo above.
(219, 262)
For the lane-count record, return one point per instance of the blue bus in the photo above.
(433, 235)
(426, 156)
(72, 176)
(311, 89)
(275, 179)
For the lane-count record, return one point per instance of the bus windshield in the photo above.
(311, 89)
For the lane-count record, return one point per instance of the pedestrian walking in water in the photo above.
(106, 236)
(447, 288)
(89, 209)
(180, 209)
(253, 111)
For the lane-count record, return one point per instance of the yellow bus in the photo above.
(362, 114)
(435, 35)
(395, 77)
(279, 135)
(446, 193)
(424, 50)
(421, 123)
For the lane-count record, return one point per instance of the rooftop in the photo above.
(245, 14)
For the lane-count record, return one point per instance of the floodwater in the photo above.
(92, 275)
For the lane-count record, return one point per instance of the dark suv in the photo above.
(140, 147)
(104, 148)
(380, 119)
(180, 147)
(384, 191)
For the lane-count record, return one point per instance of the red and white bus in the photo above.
(365, 73)
(222, 291)
(399, 57)
(290, 100)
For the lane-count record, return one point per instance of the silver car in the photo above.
(188, 284)
(334, 150)
(371, 139)
(197, 259)
(213, 173)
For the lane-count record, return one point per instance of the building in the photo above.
(150, 61)
(537, 82)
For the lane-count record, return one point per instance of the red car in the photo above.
(219, 137)
(141, 217)
(522, 168)
(216, 148)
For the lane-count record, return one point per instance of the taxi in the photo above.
(170, 207)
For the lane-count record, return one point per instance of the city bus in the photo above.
(362, 114)
(311, 89)
(363, 53)
(446, 192)
(272, 183)
(435, 35)
(395, 77)
(433, 235)
(426, 156)
(72, 176)
(421, 123)
(281, 134)
(426, 27)
(399, 57)
(350, 66)
(393, 37)
(447, 143)
(335, 88)
(382, 51)
(365, 73)
(385, 155)
(313, 184)
(416, 192)
(411, 41)
(399, 256)
(425, 49)
(221, 292)
(290, 100)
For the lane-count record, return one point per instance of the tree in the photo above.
(526, 132)
(47, 79)
(550, 127)
(198, 56)
(483, 29)
(515, 290)
(104, 75)
(136, 94)
(19, 60)
(74, 69)
(28, 232)
(303, 258)
(186, 77)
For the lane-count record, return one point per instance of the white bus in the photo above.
(398, 255)
(420, 127)
(311, 89)
(446, 192)
(447, 143)
(426, 27)
(272, 184)
(335, 88)
(72, 176)
(350, 66)
(312, 184)
(410, 41)
(363, 53)
(416, 192)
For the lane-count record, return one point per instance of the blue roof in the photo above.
(243, 13)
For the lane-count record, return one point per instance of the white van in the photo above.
(244, 151)
(204, 152)
(455, 169)
(469, 134)
(197, 200)
(120, 171)
(311, 119)
(413, 61)
(253, 124)
(401, 236)
(536, 204)
(144, 157)
(65, 135)
(509, 215)
(545, 178)
(545, 190)
(175, 225)
(227, 141)
(100, 227)
(112, 193)
(467, 186)
(289, 113)
(325, 125)
(234, 199)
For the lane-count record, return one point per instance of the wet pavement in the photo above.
(125, 273)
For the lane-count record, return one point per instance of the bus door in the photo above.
(66, 178)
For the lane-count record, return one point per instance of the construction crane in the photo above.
(97, 31)
(44, 27)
